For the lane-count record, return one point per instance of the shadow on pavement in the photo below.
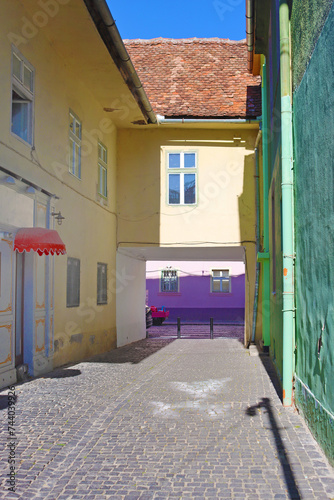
(272, 374)
(3, 402)
(251, 411)
(132, 353)
(62, 373)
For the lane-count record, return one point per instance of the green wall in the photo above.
(307, 20)
(313, 105)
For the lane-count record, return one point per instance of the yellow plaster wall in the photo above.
(225, 213)
(89, 229)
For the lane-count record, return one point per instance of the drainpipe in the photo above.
(250, 32)
(287, 206)
(162, 120)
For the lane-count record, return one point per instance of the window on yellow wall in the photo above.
(102, 170)
(182, 177)
(22, 97)
(75, 145)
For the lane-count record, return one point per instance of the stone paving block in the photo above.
(164, 419)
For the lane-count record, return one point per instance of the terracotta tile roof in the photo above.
(196, 77)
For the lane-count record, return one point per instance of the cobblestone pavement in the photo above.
(197, 331)
(162, 419)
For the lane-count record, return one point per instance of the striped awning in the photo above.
(40, 240)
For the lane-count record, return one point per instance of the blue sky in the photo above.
(180, 18)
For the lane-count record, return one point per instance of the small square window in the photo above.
(189, 160)
(174, 160)
(220, 281)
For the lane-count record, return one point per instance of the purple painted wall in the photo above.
(195, 301)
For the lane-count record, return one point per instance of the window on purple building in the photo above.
(220, 281)
(169, 281)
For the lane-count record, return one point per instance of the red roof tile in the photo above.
(196, 77)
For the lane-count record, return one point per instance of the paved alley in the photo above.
(161, 419)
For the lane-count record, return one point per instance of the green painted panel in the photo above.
(319, 420)
(307, 20)
(314, 183)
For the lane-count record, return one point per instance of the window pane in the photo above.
(78, 129)
(72, 156)
(216, 273)
(104, 183)
(216, 285)
(16, 66)
(102, 180)
(189, 188)
(174, 188)
(225, 273)
(27, 78)
(189, 160)
(20, 116)
(226, 285)
(77, 161)
(174, 160)
(72, 123)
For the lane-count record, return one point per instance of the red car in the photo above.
(159, 315)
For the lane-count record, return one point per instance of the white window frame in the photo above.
(182, 171)
(26, 93)
(221, 279)
(161, 279)
(102, 153)
(74, 140)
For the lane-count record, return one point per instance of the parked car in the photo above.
(149, 319)
(159, 315)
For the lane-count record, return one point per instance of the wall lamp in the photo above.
(59, 218)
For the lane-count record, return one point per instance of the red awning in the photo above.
(40, 240)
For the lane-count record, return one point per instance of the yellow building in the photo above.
(80, 140)
(59, 85)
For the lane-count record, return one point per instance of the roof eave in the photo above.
(106, 26)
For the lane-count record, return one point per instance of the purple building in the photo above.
(197, 291)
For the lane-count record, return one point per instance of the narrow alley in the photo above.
(162, 418)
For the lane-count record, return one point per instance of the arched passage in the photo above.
(131, 282)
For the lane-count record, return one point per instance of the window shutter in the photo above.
(73, 282)
(102, 293)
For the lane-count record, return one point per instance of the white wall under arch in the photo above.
(130, 290)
